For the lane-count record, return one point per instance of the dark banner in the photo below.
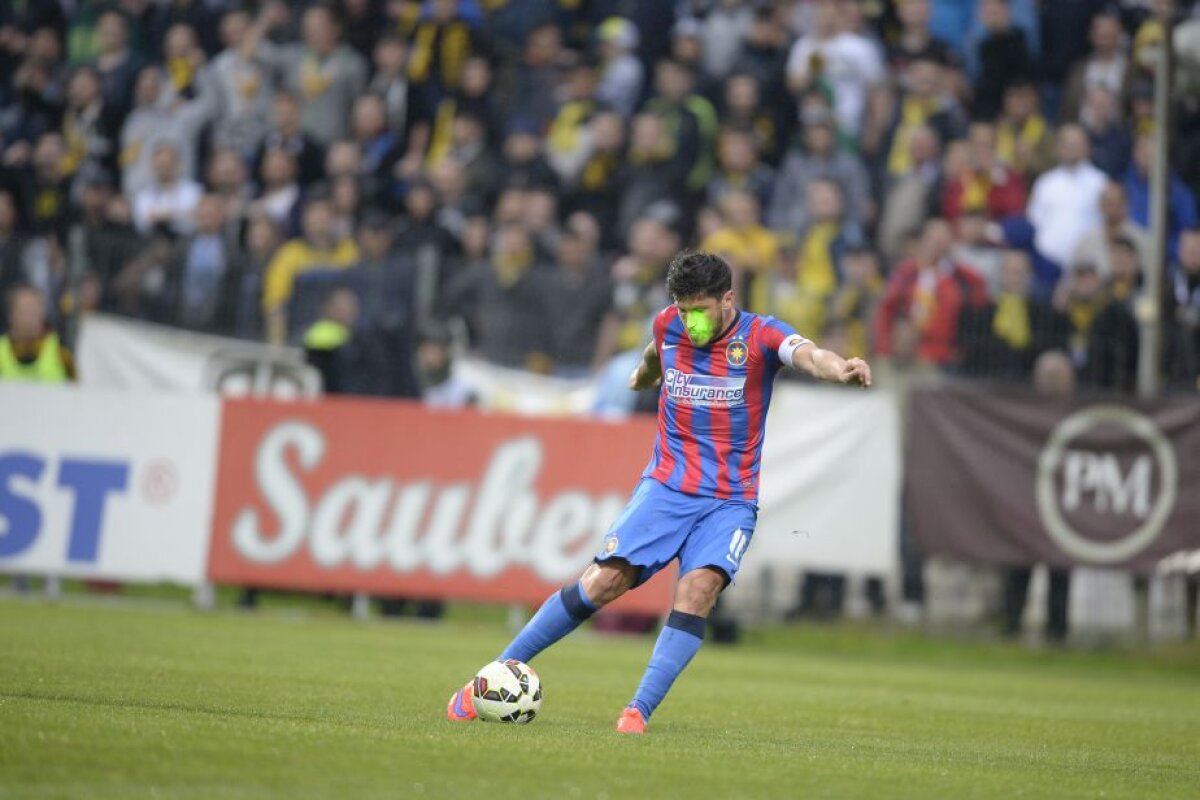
(1020, 479)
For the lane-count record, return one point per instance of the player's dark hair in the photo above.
(695, 274)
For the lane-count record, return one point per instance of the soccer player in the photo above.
(697, 499)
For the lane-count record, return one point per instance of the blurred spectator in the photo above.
(115, 63)
(1125, 278)
(986, 185)
(285, 134)
(1110, 143)
(1115, 223)
(1002, 339)
(820, 159)
(1103, 335)
(597, 187)
(381, 147)
(29, 350)
(738, 167)
(743, 107)
(279, 189)
(569, 140)
(166, 204)
(1054, 379)
(1065, 202)
(318, 248)
(1003, 56)
(90, 125)
(689, 122)
(914, 196)
(930, 290)
(390, 81)
(325, 74)
(749, 247)
(539, 74)
(242, 86)
(1181, 203)
(524, 165)
(721, 33)
(583, 326)
(329, 342)
(852, 307)
(1183, 312)
(39, 88)
(263, 237)
(159, 116)
(109, 240)
(1064, 46)
(468, 146)
(925, 103)
(846, 63)
(204, 273)
(1024, 139)
(1106, 66)
(441, 44)
(228, 177)
(801, 293)
(654, 173)
(507, 304)
(621, 73)
(639, 278)
(12, 243)
(914, 41)
(435, 364)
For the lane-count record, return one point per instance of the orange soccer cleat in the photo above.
(461, 708)
(631, 721)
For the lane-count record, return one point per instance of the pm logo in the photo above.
(1106, 483)
(736, 353)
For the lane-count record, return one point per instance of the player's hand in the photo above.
(856, 371)
(643, 379)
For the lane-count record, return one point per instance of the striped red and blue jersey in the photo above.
(712, 409)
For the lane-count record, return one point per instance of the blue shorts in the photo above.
(661, 524)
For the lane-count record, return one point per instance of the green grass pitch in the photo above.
(102, 700)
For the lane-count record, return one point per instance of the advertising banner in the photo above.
(830, 482)
(1018, 479)
(103, 485)
(121, 354)
(393, 499)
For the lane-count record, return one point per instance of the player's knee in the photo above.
(606, 582)
(698, 590)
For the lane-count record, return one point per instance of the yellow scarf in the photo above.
(567, 125)
(313, 79)
(440, 139)
(816, 280)
(1011, 322)
(975, 192)
(1031, 134)
(180, 70)
(913, 113)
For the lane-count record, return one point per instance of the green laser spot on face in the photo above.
(699, 327)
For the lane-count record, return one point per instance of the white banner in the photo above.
(520, 392)
(123, 354)
(99, 485)
(830, 483)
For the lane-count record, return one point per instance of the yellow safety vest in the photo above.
(48, 368)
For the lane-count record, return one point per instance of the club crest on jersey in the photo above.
(736, 353)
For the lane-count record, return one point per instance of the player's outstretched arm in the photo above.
(826, 365)
(649, 370)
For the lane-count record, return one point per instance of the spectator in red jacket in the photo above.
(986, 183)
(931, 290)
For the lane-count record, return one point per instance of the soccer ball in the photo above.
(507, 691)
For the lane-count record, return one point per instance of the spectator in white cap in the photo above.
(621, 73)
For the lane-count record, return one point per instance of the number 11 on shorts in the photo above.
(737, 546)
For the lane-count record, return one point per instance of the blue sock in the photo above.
(562, 613)
(679, 640)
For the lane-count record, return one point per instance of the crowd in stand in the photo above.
(960, 185)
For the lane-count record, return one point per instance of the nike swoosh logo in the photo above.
(669, 346)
